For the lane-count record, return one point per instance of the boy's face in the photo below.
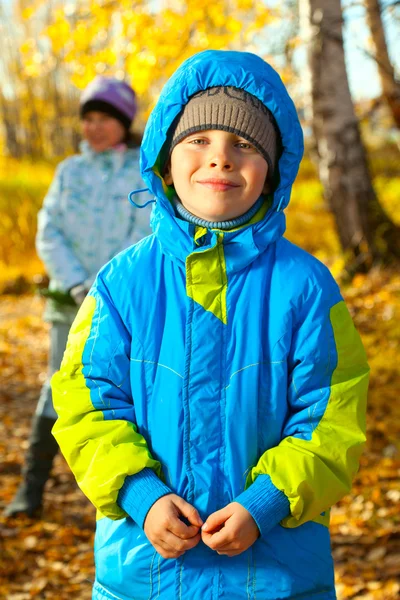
(217, 175)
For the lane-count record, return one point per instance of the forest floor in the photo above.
(52, 558)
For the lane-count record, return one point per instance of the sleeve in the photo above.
(96, 428)
(140, 228)
(51, 244)
(324, 433)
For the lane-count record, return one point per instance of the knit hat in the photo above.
(111, 96)
(234, 110)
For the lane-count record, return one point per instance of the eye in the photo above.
(245, 145)
(197, 141)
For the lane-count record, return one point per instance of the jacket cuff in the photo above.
(139, 493)
(266, 504)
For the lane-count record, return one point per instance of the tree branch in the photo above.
(373, 57)
(361, 4)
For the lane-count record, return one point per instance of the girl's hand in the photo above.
(230, 531)
(78, 293)
(166, 530)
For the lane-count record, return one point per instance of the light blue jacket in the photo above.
(222, 366)
(86, 218)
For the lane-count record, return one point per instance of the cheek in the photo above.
(84, 129)
(259, 176)
(256, 179)
(184, 167)
(178, 170)
(114, 132)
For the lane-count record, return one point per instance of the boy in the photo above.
(212, 396)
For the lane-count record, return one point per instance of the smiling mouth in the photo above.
(220, 185)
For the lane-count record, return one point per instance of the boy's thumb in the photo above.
(189, 512)
(216, 520)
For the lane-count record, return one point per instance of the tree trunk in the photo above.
(9, 119)
(390, 87)
(366, 233)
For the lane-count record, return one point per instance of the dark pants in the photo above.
(58, 341)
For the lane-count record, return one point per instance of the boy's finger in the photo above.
(216, 520)
(220, 539)
(177, 544)
(179, 529)
(217, 540)
(189, 544)
(188, 511)
(166, 551)
(230, 554)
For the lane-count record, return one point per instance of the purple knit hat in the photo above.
(112, 96)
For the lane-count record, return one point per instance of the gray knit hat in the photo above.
(234, 110)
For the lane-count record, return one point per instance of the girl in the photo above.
(86, 219)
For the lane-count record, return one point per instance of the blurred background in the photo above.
(340, 61)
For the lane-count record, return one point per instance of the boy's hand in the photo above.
(163, 526)
(230, 530)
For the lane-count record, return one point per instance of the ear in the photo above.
(167, 174)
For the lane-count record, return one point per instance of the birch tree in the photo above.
(390, 87)
(366, 233)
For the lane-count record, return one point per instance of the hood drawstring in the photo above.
(134, 192)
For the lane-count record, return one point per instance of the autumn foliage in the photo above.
(60, 51)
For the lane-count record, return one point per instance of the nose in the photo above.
(221, 158)
(94, 126)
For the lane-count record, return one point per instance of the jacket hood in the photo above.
(228, 68)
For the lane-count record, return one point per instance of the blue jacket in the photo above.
(219, 365)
